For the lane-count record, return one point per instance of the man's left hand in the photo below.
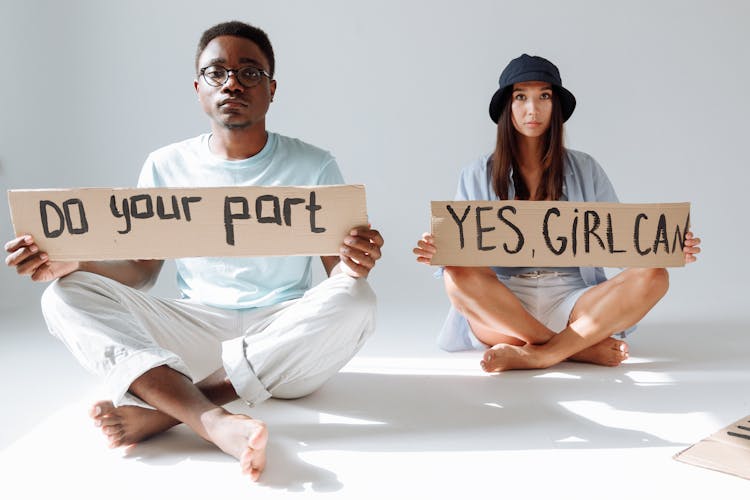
(359, 251)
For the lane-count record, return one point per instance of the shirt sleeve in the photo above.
(147, 177)
(464, 191)
(473, 182)
(603, 188)
(330, 174)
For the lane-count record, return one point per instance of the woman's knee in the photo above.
(655, 280)
(460, 285)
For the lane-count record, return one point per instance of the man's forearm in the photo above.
(139, 274)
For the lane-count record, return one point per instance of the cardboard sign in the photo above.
(559, 234)
(160, 223)
(727, 450)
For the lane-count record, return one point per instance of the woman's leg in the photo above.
(608, 308)
(491, 308)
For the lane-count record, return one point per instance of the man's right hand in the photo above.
(29, 261)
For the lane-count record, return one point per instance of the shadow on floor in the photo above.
(693, 369)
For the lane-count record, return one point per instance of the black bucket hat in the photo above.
(528, 68)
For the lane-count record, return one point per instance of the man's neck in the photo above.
(237, 144)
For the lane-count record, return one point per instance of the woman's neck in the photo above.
(530, 163)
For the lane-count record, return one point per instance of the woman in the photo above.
(538, 317)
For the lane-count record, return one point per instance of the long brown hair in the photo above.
(507, 155)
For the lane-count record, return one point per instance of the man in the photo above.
(247, 327)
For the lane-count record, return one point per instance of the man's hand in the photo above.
(29, 261)
(359, 251)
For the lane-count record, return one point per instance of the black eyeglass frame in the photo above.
(229, 71)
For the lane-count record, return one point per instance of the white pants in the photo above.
(287, 350)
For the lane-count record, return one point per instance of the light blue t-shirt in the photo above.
(241, 282)
(583, 180)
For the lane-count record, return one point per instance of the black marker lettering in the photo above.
(160, 208)
(679, 235)
(229, 215)
(481, 230)
(661, 234)
(574, 233)
(545, 231)
(84, 227)
(273, 219)
(288, 202)
(312, 207)
(459, 222)
(589, 230)
(518, 232)
(611, 236)
(43, 204)
(125, 212)
(186, 201)
(637, 235)
(141, 214)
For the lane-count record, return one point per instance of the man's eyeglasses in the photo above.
(248, 76)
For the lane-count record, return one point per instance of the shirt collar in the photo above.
(567, 177)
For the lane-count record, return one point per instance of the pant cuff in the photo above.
(241, 374)
(118, 380)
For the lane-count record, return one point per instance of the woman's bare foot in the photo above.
(241, 436)
(126, 425)
(608, 352)
(503, 357)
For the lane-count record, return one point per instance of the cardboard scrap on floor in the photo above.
(727, 450)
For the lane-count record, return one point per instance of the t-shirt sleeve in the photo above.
(147, 177)
(330, 174)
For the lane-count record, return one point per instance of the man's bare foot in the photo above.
(241, 436)
(126, 425)
(503, 357)
(608, 352)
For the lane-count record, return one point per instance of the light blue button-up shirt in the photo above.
(583, 180)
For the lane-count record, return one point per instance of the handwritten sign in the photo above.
(558, 234)
(159, 223)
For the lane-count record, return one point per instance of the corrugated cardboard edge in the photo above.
(733, 459)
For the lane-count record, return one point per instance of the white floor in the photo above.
(403, 420)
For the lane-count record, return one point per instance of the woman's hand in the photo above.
(425, 249)
(691, 248)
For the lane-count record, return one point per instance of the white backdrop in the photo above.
(398, 91)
